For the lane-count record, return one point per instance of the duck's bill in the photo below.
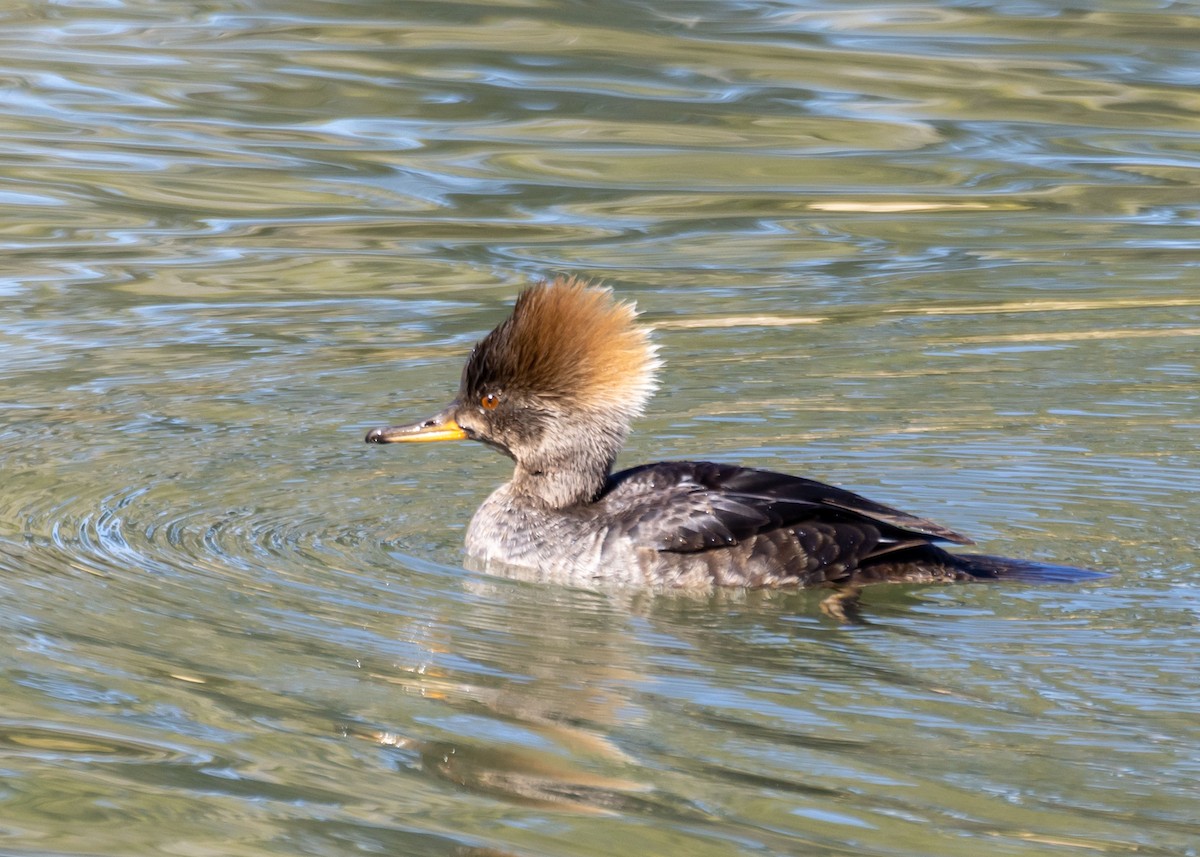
(440, 427)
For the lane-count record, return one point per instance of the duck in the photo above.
(556, 386)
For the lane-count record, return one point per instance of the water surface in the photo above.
(944, 255)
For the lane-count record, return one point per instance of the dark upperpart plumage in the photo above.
(555, 387)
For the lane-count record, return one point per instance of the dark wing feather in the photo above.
(688, 506)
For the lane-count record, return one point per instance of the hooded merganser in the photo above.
(555, 386)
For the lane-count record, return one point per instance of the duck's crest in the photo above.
(569, 340)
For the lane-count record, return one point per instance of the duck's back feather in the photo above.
(757, 527)
(685, 506)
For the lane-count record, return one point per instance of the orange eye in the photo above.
(490, 401)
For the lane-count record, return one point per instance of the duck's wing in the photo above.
(690, 506)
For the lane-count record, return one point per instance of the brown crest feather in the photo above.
(568, 340)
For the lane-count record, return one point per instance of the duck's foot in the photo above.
(842, 605)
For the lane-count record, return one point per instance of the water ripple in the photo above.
(57, 743)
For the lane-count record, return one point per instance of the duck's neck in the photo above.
(569, 478)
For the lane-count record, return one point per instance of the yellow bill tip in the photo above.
(429, 430)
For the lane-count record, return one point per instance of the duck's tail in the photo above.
(985, 567)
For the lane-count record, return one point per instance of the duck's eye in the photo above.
(489, 401)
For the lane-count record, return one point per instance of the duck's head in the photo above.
(554, 386)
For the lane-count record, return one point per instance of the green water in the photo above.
(944, 255)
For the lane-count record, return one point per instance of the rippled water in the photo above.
(946, 255)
